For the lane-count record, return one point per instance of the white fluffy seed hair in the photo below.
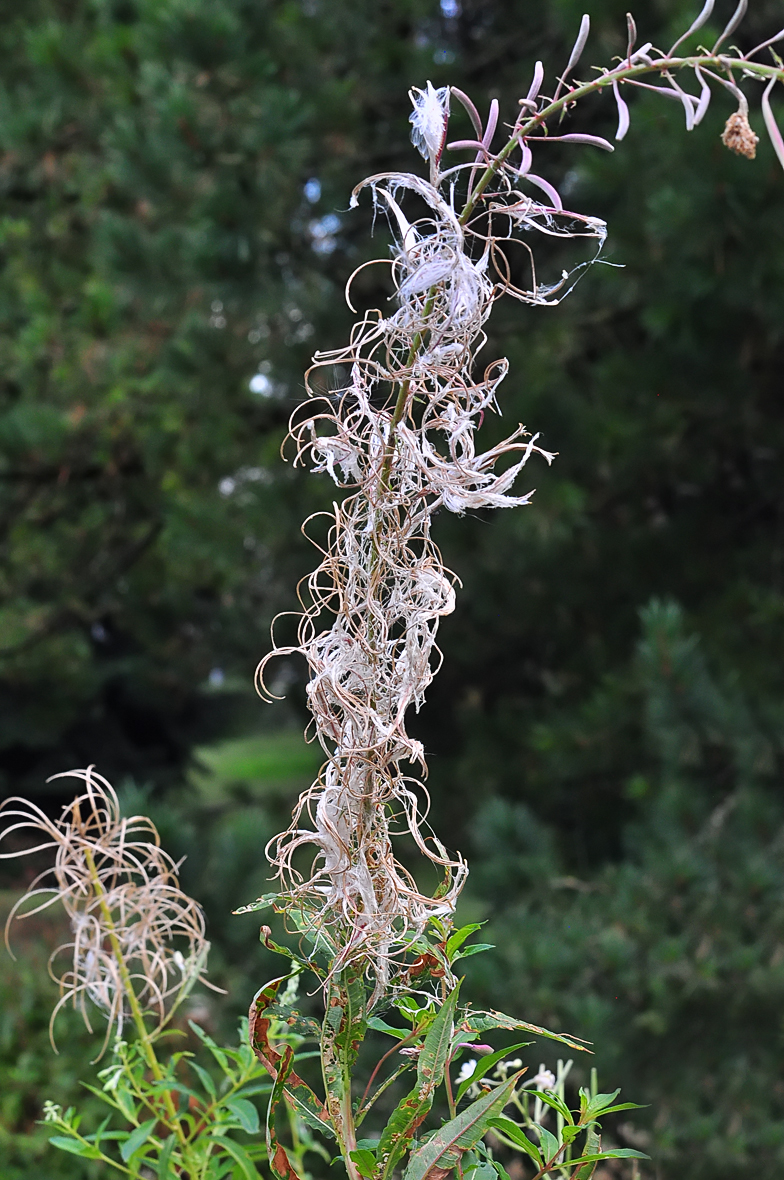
(115, 882)
(399, 440)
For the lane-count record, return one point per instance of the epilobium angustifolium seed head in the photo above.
(134, 930)
(392, 419)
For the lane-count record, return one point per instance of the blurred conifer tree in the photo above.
(174, 179)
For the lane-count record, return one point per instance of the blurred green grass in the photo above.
(255, 766)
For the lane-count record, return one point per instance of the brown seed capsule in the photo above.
(739, 137)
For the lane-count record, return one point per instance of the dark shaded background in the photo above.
(605, 738)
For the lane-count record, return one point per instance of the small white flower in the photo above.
(52, 1112)
(545, 1079)
(467, 1070)
(429, 119)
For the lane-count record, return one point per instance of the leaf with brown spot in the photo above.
(297, 1092)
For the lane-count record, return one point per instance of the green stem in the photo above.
(133, 1000)
(105, 1159)
(402, 397)
(621, 73)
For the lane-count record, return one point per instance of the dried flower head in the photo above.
(739, 137)
(401, 441)
(138, 941)
(398, 437)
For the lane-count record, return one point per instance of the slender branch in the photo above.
(395, 1049)
(128, 988)
(621, 73)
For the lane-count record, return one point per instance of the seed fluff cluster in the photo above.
(392, 418)
(400, 438)
(134, 930)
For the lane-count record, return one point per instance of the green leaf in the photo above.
(548, 1144)
(476, 948)
(435, 1050)
(500, 1170)
(484, 1064)
(412, 1109)
(621, 1106)
(593, 1144)
(518, 1136)
(482, 1021)
(620, 1153)
(165, 1087)
(245, 1112)
(550, 1098)
(365, 1161)
(597, 1105)
(76, 1147)
(205, 1079)
(239, 1154)
(164, 1159)
(379, 1025)
(458, 938)
(279, 1161)
(261, 903)
(444, 1148)
(254, 1088)
(136, 1139)
(207, 1041)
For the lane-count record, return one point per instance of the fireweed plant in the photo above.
(399, 437)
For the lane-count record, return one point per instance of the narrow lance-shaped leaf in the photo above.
(241, 1157)
(411, 1110)
(482, 1020)
(518, 1136)
(136, 1139)
(444, 1148)
(75, 1147)
(245, 1113)
(298, 1093)
(457, 939)
(485, 1064)
(435, 1050)
(164, 1159)
(281, 1165)
(618, 1153)
(548, 1145)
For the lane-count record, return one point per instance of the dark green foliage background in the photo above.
(606, 734)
